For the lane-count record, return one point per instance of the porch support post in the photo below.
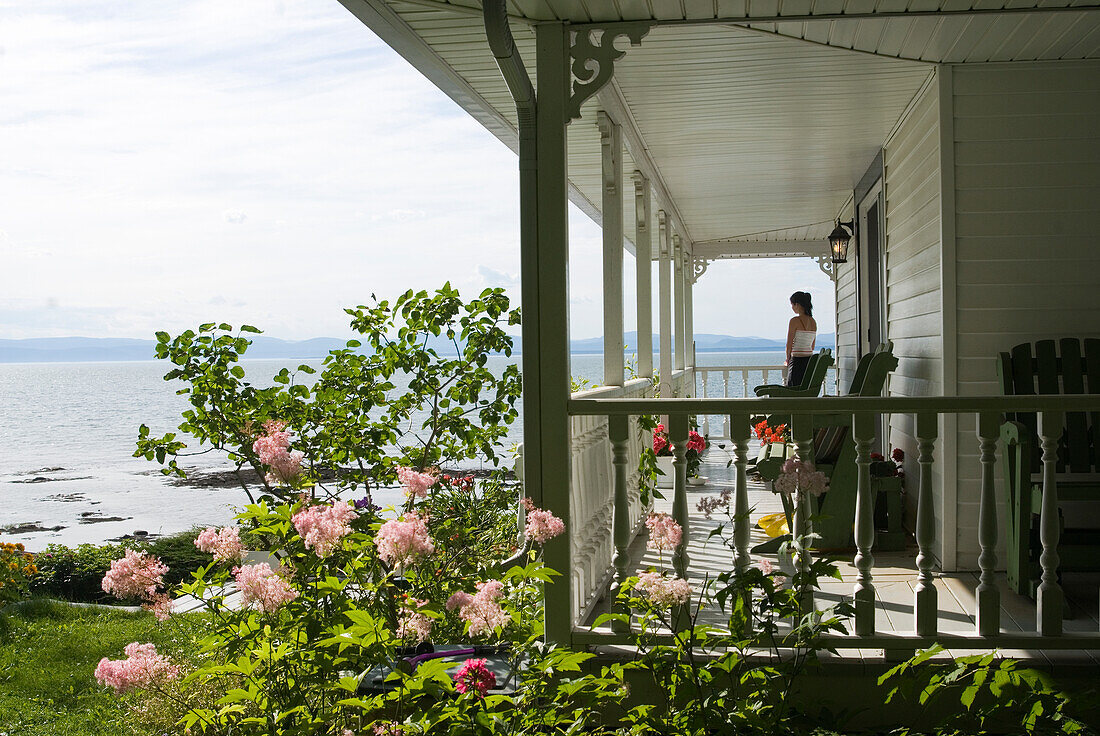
(1048, 598)
(678, 301)
(689, 310)
(550, 323)
(665, 277)
(611, 148)
(863, 429)
(988, 618)
(643, 248)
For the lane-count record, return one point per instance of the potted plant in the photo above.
(662, 448)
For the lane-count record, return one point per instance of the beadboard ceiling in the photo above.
(754, 130)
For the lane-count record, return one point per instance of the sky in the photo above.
(168, 163)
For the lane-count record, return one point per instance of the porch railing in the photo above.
(925, 413)
(738, 381)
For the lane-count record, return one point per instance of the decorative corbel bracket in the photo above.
(825, 263)
(593, 61)
(698, 268)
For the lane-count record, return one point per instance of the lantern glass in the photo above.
(838, 244)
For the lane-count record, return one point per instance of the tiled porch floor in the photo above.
(894, 577)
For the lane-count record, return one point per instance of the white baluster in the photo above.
(989, 597)
(618, 433)
(924, 601)
(802, 434)
(706, 417)
(739, 434)
(677, 435)
(1049, 600)
(863, 430)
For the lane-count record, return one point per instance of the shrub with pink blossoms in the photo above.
(322, 527)
(663, 592)
(413, 625)
(416, 484)
(801, 477)
(402, 541)
(224, 544)
(482, 614)
(262, 588)
(141, 668)
(542, 526)
(136, 575)
(664, 532)
(474, 677)
(273, 449)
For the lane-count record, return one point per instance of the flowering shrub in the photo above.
(224, 544)
(142, 668)
(769, 435)
(322, 527)
(139, 576)
(16, 569)
(662, 447)
(694, 454)
(664, 533)
(542, 526)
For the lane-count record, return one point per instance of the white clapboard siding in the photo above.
(847, 324)
(914, 321)
(1027, 184)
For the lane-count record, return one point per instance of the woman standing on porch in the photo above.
(801, 337)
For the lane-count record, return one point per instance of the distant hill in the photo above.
(86, 349)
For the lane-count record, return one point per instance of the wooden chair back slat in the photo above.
(1092, 371)
(861, 371)
(1077, 425)
(1023, 384)
(1046, 379)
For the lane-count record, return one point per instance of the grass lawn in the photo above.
(48, 653)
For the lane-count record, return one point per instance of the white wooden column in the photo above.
(678, 301)
(643, 244)
(665, 277)
(689, 309)
(611, 147)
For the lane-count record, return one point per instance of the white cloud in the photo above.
(235, 217)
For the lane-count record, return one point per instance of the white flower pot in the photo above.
(669, 478)
(697, 481)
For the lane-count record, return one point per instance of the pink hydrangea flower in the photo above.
(262, 588)
(402, 541)
(137, 575)
(225, 544)
(480, 611)
(416, 484)
(664, 532)
(664, 592)
(414, 625)
(273, 448)
(798, 476)
(765, 566)
(458, 600)
(141, 668)
(473, 676)
(542, 526)
(322, 527)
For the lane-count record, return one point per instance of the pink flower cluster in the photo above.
(141, 668)
(696, 442)
(474, 677)
(403, 541)
(765, 566)
(389, 728)
(414, 625)
(415, 484)
(481, 611)
(273, 448)
(710, 504)
(663, 592)
(322, 527)
(661, 445)
(542, 526)
(801, 477)
(225, 544)
(664, 532)
(137, 575)
(262, 588)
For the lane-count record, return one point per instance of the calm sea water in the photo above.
(67, 434)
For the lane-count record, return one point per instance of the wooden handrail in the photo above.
(838, 405)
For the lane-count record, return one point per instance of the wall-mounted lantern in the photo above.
(838, 240)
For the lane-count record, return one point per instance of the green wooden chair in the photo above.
(812, 381)
(1062, 368)
(834, 453)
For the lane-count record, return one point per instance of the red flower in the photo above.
(897, 455)
(877, 457)
(474, 676)
(696, 441)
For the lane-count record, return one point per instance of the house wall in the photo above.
(1027, 186)
(911, 160)
(847, 353)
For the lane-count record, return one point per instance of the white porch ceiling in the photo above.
(757, 130)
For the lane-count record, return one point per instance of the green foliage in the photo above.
(17, 569)
(979, 694)
(352, 425)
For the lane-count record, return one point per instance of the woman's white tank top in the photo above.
(803, 343)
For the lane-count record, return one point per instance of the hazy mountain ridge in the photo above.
(88, 349)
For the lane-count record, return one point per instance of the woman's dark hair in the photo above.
(802, 299)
